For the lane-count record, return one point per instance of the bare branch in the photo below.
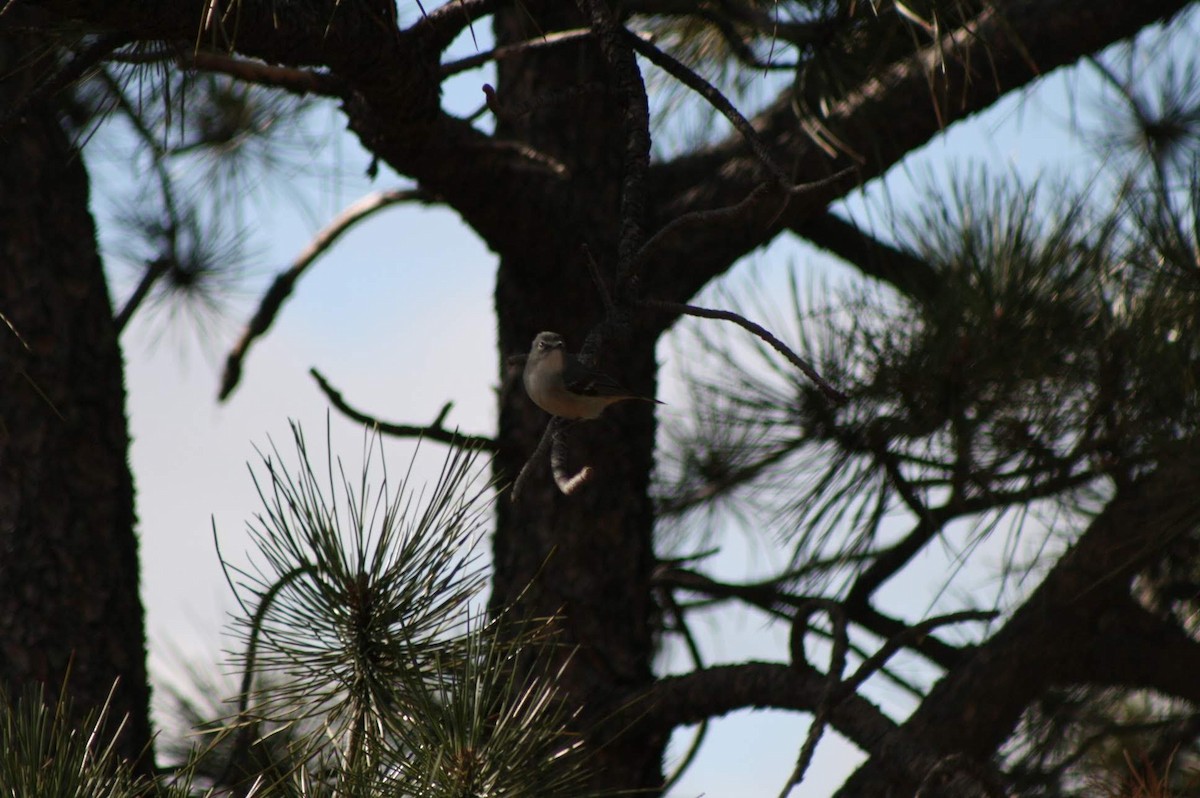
(831, 393)
(906, 638)
(445, 22)
(154, 269)
(715, 98)
(680, 620)
(768, 597)
(831, 694)
(712, 692)
(451, 68)
(434, 431)
(296, 81)
(285, 281)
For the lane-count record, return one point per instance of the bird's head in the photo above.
(546, 342)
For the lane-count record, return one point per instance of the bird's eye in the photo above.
(541, 344)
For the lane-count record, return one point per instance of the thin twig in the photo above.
(296, 81)
(453, 17)
(154, 269)
(830, 695)
(285, 281)
(434, 431)
(693, 648)
(831, 393)
(497, 53)
(715, 98)
(879, 659)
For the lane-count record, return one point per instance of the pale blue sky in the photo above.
(399, 317)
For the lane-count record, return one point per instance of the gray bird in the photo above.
(562, 386)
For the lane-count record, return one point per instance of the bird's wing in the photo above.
(580, 379)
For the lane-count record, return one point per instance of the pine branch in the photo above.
(1054, 638)
(1007, 37)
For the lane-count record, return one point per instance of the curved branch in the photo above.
(434, 431)
(831, 393)
(673, 67)
(767, 597)
(285, 281)
(445, 22)
(712, 692)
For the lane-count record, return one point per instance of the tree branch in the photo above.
(281, 288)
(767, 597)
(1008, 36)
(716, 99)
(448, 20)
(434, 431)
(296, 81)
(875, 258)
(712, 692)
(451, 68)
(1058, 636)
(831, 393)
(538, 453)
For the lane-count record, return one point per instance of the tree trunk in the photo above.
(586, 558)
(70, 612)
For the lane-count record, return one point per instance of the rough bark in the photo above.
(70, 612)
(585, 558)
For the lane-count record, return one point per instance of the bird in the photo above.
(561, 385)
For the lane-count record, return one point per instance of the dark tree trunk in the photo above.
(585, 558)
(69, 605)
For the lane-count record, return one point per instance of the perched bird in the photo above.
(562, 386)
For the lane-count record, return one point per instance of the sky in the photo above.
(399, 317)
